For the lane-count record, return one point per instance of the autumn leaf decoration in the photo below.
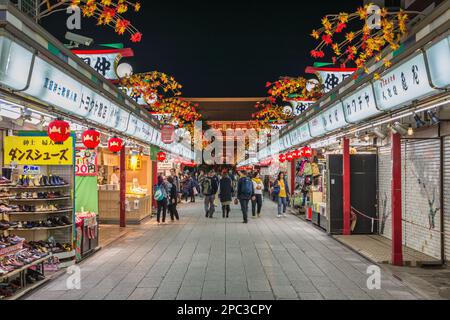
(358, 37)
(107, 12)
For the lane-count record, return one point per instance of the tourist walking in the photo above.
(161, 196)
(173, 200)
(209, 189)
(244, 193)
(225, 193)
(281, 192)
(200, 178)
(257, 200)
(188, 188)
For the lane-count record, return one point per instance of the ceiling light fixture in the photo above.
(410, 130)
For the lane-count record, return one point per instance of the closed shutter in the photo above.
(421, 195)
(384, 191)
(447, 198)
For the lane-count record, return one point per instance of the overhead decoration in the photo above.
(91, 138)
(161, 156)
(355, 38)
(269, 113)
(59, 131)
(107, 12)
(115, 144)
(288, 89)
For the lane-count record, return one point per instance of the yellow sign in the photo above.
(37, 151)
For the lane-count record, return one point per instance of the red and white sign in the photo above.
(86, 162)
(167, 133)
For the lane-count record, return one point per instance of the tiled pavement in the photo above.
(199, 258)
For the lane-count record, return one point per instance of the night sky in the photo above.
(219, 48)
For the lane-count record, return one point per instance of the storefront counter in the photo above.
(137, 207)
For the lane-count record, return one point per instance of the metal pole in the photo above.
(396, 154)
(123, 185)
(346, 186)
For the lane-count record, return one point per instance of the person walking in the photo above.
(173, 200)
(209, 188)
(244, 193)
(281, 191)
(225, 193)
(161, 196)
(200, 178)
(257, 200)
(188, 188)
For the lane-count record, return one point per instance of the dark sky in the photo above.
(219, 48)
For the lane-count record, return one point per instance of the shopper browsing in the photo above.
(281, 192)
(161, 196)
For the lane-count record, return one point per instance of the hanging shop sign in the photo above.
(115, 144)
(104, 61)
(300, 106)
(304, 133)
(15, 64)
(330, 78)
(406, 83)
(86, 162)
(438, 57)
(278, 126)
(316, 127)
(38, 151)
(360, 105)
(167, 133)
(333, 118)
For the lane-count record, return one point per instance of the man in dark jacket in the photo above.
(244, 193)
(209, 188)
(225, 193)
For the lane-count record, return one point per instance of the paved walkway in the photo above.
(199, 258)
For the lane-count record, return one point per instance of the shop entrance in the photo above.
(363, 185)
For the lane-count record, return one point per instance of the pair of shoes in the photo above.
(259, 216)
(284, 215)
(245, 221)
(279, 216)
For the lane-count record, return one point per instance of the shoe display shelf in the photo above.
(21, 275)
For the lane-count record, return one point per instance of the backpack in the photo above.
(206, 186)
(247, 187)
(159, 193)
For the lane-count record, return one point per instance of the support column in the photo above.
(346, 186)
(123, 186)
(292, 186)
(396, 155)
(154, 179)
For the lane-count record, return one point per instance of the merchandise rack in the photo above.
(38, 212)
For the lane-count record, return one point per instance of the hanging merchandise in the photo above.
(115, 144)
(161, 156)
(59, 131)
(307, 169)
(91, 138)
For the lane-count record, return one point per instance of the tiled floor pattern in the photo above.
(216, 259)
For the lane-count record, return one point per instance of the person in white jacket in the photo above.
(257, 199)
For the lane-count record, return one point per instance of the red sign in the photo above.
(86, 162)
(167, 133)
(161, 156)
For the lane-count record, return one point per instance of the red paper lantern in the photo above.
(161, 156)
(297, 154)
(282, 158)
(289, 157)
(91, 138)
(115, 144)
(307, 151)
(58, 131)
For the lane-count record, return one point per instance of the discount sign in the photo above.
(86, 162)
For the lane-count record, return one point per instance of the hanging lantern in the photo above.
(289, 157)
(115, 144)
(59, 131)
(282, 158)
(91, 138)
(161, 156)
(307, 152)
(297, 154)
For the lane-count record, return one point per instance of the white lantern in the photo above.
(124, 70)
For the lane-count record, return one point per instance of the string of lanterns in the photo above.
(305, 152)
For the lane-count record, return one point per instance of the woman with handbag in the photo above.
(281, 190)
(257, 198)
(225, 193)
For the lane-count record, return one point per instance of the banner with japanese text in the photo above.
(37, 151)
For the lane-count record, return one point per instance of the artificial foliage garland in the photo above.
(366, 41)
(107, 12)
(288, 88)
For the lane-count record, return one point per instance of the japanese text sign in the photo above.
(37, 151)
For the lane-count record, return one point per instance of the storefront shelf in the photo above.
(41, 212)
(50, 199)
(38, 187)
(36, 229)
(26, 267)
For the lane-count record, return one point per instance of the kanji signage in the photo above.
(330, 78)
(167, 133)
(37, 151)
(406, 83)
(333, 118)
(438, 56)
(360, 105)
(86, 162)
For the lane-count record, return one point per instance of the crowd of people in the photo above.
(244, 187)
